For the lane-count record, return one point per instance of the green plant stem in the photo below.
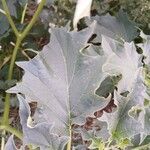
(70, 135)
(5, 120)
(69, 128)
(109, 143)
(11, 22)
(142, 147)
(3, 139)
(20, 36)
(69, 145)
(15, 51)
(12, 130)
(24, 13)
(33, 20)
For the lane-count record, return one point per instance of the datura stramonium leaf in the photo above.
(145, 46)
(63, 80)
(121, 59)
(117, 27)
(121, 124)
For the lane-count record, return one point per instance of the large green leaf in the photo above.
(63, 80)
(121, 124)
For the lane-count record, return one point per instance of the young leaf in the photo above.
(122, 59)
(124, 143)
(97, 138)
(94, 134)
(38, 134)
(63, 81)
(97, 143)
(82, 10)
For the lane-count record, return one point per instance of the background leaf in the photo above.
(118, 27)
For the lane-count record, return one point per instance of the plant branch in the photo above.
(5, 120)
(20, 36)
(12, 130)
(11, 22)
(142, 147)
(33, 20)
(3, 139)
(24, 13)
(15, 51)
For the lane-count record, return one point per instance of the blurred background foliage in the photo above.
(55, 13)
(137, 10)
